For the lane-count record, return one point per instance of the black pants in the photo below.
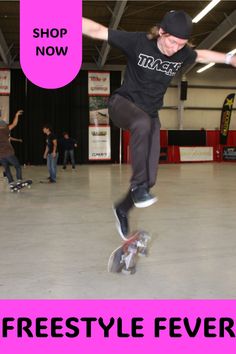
(144, 143)
(11, 160)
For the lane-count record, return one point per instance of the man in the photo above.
(7, 154)
(50, 153)
(68, 145)
(152, 61)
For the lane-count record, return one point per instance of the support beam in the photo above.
(4, 50)
(115, 20)
(85, 66)
(108, 67)
(222, 31)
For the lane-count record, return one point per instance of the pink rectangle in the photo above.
(115, 326)
(50, 41)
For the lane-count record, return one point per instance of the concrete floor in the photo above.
(56, 239)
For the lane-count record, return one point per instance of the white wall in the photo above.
(201, 97)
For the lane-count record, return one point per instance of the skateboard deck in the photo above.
(17, 186)
(124, 258)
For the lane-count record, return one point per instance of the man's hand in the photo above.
(233, 61)
(20, 112)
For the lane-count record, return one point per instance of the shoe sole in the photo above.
(146, 204)
(118, 225)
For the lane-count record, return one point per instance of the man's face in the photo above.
(45, 130)
(168, 44)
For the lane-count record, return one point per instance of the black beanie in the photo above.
(178, 24)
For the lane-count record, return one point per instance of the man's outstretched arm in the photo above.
(208, 56)
(15, 120)
(94, 30)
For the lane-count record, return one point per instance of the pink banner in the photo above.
(117, 326)
(50, 41)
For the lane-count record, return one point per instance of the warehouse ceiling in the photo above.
(217, 30)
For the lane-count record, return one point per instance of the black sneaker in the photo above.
(141, 197)
(51, 180)
(122, 222)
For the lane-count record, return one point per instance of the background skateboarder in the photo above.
(7, 154)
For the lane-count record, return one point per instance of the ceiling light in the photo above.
(205, 67)
(232, 51)
(205, 11)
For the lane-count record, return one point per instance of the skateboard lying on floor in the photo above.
(17, 186)
(124, 258)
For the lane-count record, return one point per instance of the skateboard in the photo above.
(17, 186)
(124, 258)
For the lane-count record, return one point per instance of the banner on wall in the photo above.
(98, 83)
(225, 118)
(99, 142)
(5, 82)
(98, 110)
(99, 128)
(229, 153)
(198, 153)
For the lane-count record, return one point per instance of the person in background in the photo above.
(10, 140)
(50, 153)
(68, 146)
(7, 153)
(153, 59)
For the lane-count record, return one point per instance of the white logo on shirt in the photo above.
(167, 67)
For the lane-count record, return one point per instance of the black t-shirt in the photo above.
(68, 144)
(49, 142)
(149, 72)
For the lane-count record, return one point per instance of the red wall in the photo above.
(212, 139)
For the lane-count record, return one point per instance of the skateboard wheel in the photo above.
(129, 271)
(143, 253)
